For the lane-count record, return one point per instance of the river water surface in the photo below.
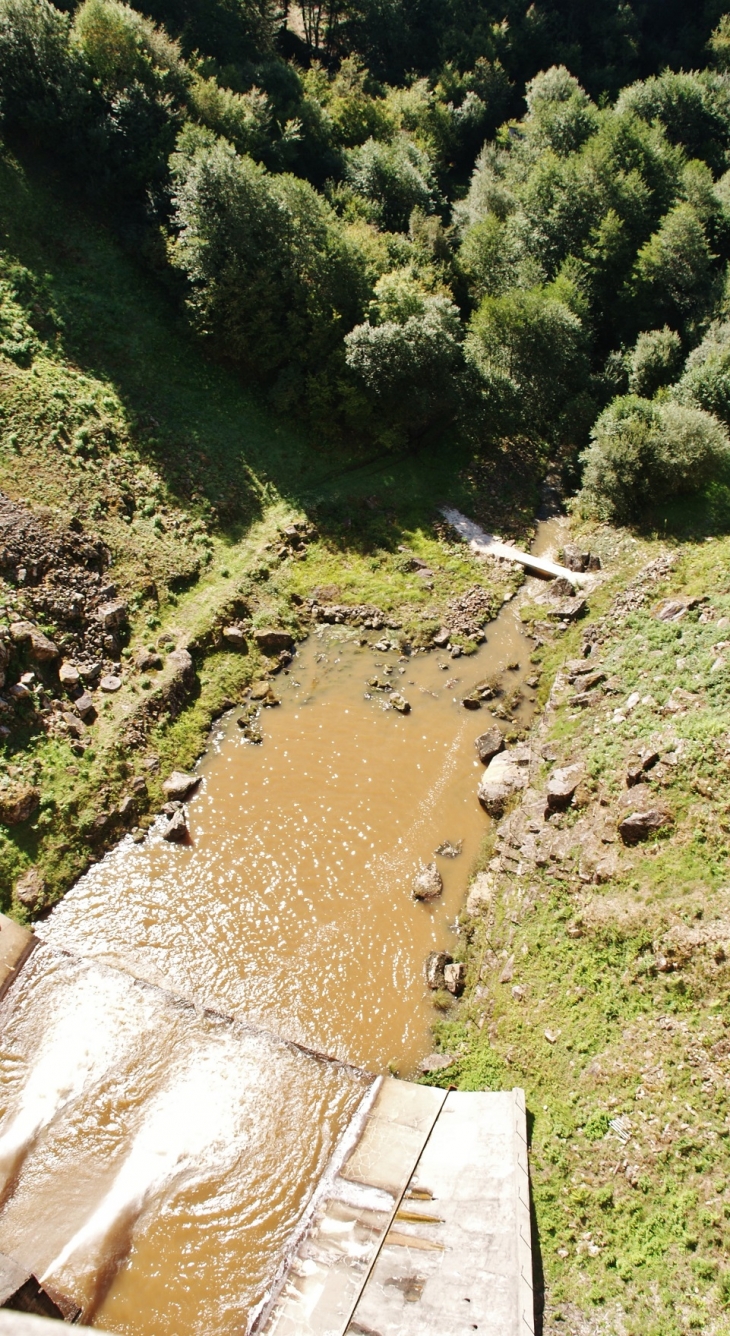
(167, 1108)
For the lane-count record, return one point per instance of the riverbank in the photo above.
(150, 506)
(596, 941)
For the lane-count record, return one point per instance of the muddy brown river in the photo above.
(168, 1096)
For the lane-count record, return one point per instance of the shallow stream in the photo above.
(167, 1108)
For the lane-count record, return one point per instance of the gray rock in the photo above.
(147, 660)
(506, 774)
(561, 786)
(455, 978)
(30, 889)
(575, 558)
(68, 675)
(75, 726)
(112, 614)
(489, 744)
(400, 703)
(471, 703)
(562, 587)
(442, 638)
(272, 641)
(436, 1062)
(639, 764)
(234, 637)
(127, 807)
(570, 610)
(176, 830)
(42, 649)
(110, 683)
(436, 962)
(18, 802)
(638, 826)
(84, 707)
(481, 893)
(180, 785)
(427, 883)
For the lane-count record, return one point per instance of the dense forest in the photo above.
(402, 219)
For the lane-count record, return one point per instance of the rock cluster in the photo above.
(352, 614)
(468, 613)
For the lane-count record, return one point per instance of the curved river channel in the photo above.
(169, 1098)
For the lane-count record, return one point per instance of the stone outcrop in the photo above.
(638, 826)
(562, 785)
(489, 744)
(40, 646)
(176, 830)
(436, 962)
(455, 977)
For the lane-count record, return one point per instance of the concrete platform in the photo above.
(422, 1229)
(16, 944)
(486, 545)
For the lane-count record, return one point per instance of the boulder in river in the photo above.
(176, 830)
(180, 785)
(436, 962)
(400, 703)
(427, 883)
(506, 774)
(489, 744)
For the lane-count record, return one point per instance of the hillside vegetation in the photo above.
(275, 287)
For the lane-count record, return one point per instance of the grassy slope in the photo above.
(629, 979)
(110, 413)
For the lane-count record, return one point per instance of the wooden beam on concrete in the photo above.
(486, 545)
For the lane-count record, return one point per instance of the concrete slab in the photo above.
(486, 545)
(319, 1286)
(457, 1258)
(16, 944)
(423, 1227)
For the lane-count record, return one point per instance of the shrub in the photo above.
(643, 452)
(37, 68)
(395, 178)
(654, 361)
(705, 381)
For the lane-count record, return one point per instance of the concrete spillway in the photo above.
(423, 1229)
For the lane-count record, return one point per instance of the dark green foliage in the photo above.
(654, 361)
(272, 281)
(394, 178)
(706, 377)
(645, 452)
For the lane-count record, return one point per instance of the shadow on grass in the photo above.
(194, 420)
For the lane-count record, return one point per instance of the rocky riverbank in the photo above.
(596, 940)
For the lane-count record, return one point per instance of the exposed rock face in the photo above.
(30, 889)
(436, 962)
(272, 641)
(505, 775)
(489, 744)
(455, 978)
(18, 802)
(176, 830)
(561, 786)
(638, 826)
(180, 785)
(427, 883)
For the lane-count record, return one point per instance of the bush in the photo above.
(38, 73)
(643, 452)
(655, 361)
(705, 381)
(394, 178)
(409, 363)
